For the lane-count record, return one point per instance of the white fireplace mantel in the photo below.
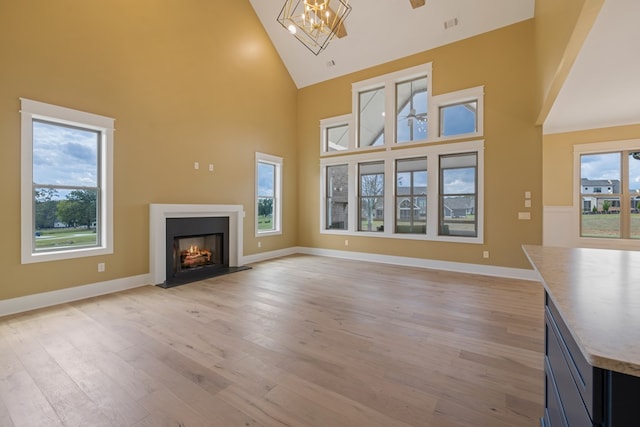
(158, 214)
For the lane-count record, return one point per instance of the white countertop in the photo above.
(597, 292)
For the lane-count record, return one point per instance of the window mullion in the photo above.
(625, 196)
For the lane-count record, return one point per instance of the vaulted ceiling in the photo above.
(601, 89)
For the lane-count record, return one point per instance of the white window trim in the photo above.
(591, 242)
(277, 208)
(31, 110)
(432, 152)
(345, 119)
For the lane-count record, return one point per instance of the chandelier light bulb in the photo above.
(292, 28)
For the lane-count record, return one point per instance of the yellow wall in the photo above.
(557, 159)
(183, 84)
(561, 26)
(503, 61)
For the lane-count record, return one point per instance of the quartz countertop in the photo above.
(597, 292)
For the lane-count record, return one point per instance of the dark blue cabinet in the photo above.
(578, 394)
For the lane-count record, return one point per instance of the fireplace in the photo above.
(193, 242)
(197, 248)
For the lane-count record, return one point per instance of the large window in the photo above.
(421, 193)
(458, 195)
(411, 110)
(371, 117)
(268, 194)
(405, 171)
(337, 197)
(411, 195)
(371, 196)
(610, 194)
(67, 168)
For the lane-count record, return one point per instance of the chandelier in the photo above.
(315, 22)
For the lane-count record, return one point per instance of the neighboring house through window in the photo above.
(609, 190)
(67, 165)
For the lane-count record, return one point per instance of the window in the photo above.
(371, 117)
(452, 171)
(458, 195)
(336, 136)
(337, 199)
(411, 110)
(67, 165)
(268, 194)
(411, 195)
(610, 194)
(371, 196)
(392, 152)
(458, 119)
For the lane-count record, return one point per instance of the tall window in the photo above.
(458, 195)
(610, 194)
(268, 194)
(411, 110)
(67, 158)
(337, 197)
(371, 196)
(371, 106)
(411, 196)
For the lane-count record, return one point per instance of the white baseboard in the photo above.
(485, 270)
(47, 299)
(264, 256)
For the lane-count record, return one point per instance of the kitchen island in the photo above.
(592, 335)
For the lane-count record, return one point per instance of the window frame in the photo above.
(619, 146)
(432, 153)
(31, 110)
(277, 162)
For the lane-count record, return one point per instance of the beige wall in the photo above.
(183, 84)
(503, 61)
(561, 26)
(557, 159)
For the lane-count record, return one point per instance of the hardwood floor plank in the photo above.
(295, 341)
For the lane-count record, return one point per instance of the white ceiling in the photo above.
(603, 86)
(602, 89)
(381, 31)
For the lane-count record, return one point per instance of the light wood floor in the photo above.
(297, 341)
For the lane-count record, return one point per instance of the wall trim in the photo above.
(484, 270)
(61, 296)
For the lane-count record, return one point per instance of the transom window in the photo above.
(411, 110)
(66, 183)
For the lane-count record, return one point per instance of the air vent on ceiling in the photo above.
(450, 23)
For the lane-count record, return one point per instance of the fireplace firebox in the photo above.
(197, 248)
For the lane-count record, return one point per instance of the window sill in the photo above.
(406, 236)
(31, 258)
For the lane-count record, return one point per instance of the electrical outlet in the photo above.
(259, 244)
(346, 242)
(527, 203)
(196, 165)
(210, 167)
(101, 267)
(485, 254)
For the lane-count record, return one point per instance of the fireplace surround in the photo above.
(194, 222)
